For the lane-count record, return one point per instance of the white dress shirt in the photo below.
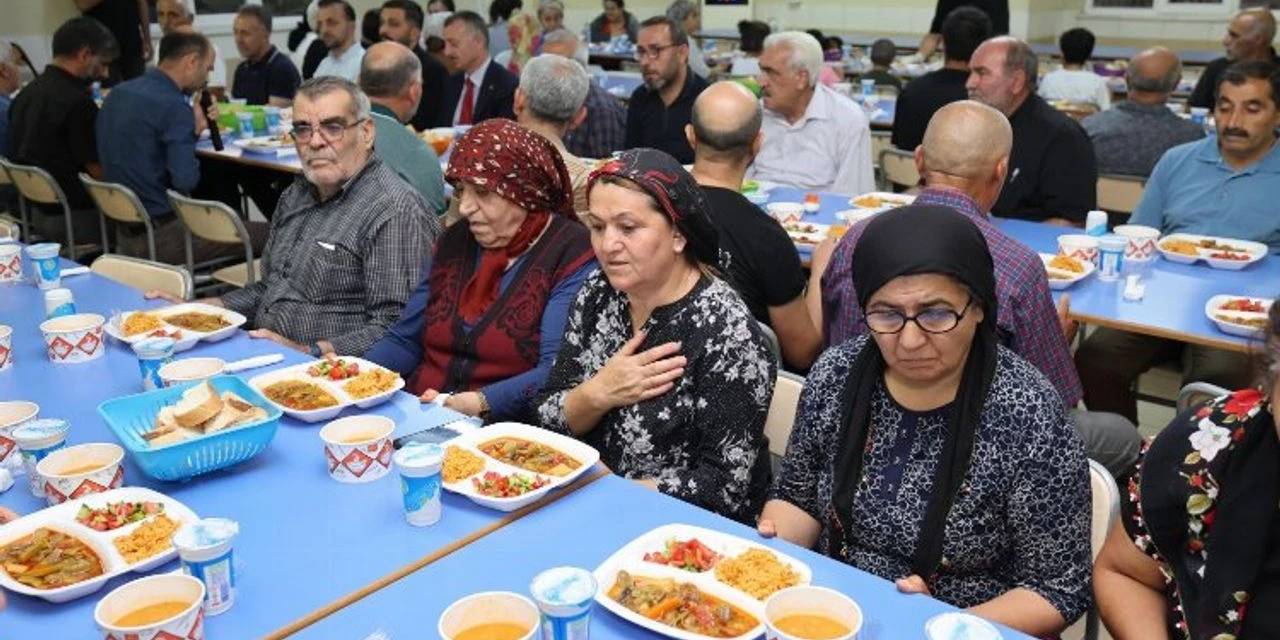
(827, 149)
(477, 78)
(1076, 85)
(346, 65)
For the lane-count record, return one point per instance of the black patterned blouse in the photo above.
(703, 441)
(1022, 516)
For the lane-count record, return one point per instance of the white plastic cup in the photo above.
(1078, 246)
(206, 553)
(1199, 115)
(37, 439)
(1095, 224)
(59, 302)
(44, 260)
(62, 477)
(811, 600)
(189, 370)
(272, 117)
(10, 262)
(13, 414)
(6, 346)
(1141, 241)
(245, 118)
(419, 466)
(153, 354)
(564, 596)
(74, 339)
(957, 624)
(147, 591)
(1111, 257)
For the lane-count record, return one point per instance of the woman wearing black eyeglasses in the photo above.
(927, 453)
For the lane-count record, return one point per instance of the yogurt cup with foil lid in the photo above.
(204, 547)
(564, 596)
(37, 439)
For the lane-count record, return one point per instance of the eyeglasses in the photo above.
(643, 53)
(933, 320)
(330, 130)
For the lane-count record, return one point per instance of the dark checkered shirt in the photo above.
(341, 270)
(605, 129)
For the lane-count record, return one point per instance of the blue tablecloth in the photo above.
(584, 529)
(305, 540)
(1173, 306)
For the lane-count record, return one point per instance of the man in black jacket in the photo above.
(402, 22)
(482, 88)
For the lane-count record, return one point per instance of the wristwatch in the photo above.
(485, 409)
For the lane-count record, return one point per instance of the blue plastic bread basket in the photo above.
(131, 416)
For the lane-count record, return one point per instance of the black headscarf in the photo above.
(678, 196)
(893, 245)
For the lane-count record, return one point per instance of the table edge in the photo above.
(1146, 330)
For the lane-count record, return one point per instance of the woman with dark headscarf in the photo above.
(486, 321)
(1196, 552)
(929, 454)
(662, 368)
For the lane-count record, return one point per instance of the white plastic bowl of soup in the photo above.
(72, 472)
(191, 370)
(490, 615)
(152, 606)
(811, 613)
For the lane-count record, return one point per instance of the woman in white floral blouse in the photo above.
(662, 368)
(1196, 554)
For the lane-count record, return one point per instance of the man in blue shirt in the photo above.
(1222, 186)
(147, 132)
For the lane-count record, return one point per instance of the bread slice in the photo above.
(224, 419)
(238, 403)
(198, 405)
(177, 435)
(254, 414)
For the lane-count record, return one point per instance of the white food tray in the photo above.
(1213, 309)
(887, 201)
(586, 456)
(1256, 251)
(806, 233)
(631, 559)
(334, 387)
(62, 518)
(1061, 278)
(114, 326)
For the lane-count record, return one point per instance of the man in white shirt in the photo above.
(1073, 82)
(814, 138)
(336, 24)
(173, 15)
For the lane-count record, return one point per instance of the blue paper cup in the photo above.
(564, 596)
(44, 260)
(153, 353)
(419, 466)
(37, 439)
(204, 547)
(246, 124)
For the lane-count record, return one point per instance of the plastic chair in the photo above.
(36, 185)
(1105, 512)
(1076, 110)
(1197, 392)
(880, 140)
(121, 204)
(887, 90)
(1119, 193)
(215, 222)
(771, 339)
(145, 275)
(782, 411)
(899, 168)
(237, 275)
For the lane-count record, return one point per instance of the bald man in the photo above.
(1129, 138)
(1249, 36)
(391, 75)
(964, 159)
(763, 266)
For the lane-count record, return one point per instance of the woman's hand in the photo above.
(163, 295)
(766, 528)
(912, 584)
(267, 334)
(629, 377)
(467, 402)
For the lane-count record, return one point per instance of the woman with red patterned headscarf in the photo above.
(486, 321)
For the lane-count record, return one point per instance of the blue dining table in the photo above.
(305, 540)
(1175, 296)
(583, 530)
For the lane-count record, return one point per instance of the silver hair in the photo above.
(805, 54)
(555, 87)
(564, 35)
(1164, 84)
(324, 85)
(681, 9)
(555, 5)
(1018, 56)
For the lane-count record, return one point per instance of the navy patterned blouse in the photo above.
(1022, 516)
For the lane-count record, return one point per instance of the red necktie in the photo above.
(468, 97)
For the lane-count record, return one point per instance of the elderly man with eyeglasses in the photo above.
(348, 239)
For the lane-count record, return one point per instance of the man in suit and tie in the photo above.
(481, 89)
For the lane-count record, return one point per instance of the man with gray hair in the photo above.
(1130, 137)
(173, 15)
(756, 255)
(391, 75)
(814, 138)
(1248, 38)
(963, 159)
(1052, 172)
(549, 101)
(604, 130)
(348, 239)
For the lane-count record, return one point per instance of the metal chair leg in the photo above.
(71, 238)
(102, 224)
